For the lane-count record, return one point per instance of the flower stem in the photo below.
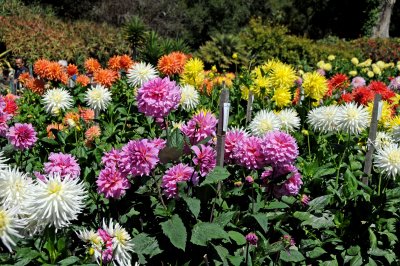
(341, 160)
(379, 184)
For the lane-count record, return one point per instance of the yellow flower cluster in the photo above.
(314, 85)
(369, 68)
(193, 73)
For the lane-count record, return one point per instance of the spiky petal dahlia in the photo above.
(263, 122)
(10, 225)
(92, 65)
(57, 100)
(353, 119)
(315, 85)
(387, 160)
(15, 188)
(98, 97)
(172, 63)
(189, 97)
(22, 136)
(324, 118)
(176, 174)
(290, 120)
(158, 97)
(279, 148)
(140, 73)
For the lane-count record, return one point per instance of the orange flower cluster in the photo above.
(71, 119)
(82, 80)
(91, 134)
(172, 63)
(120, 62)
(35, 85)
(50, 70)
(55, 126)
(105, 77)
(212, 79)
(227, 78)
(24, 77)
(72, 70)
(92, 65)
(86, 114)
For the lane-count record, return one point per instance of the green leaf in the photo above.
(317, 222)
(355, 165)
(353, 250)
(175, 230)
(324, 172)
(276, 205)
(224, 218)
(204, 232)
(218, 174)
(222, 253)
(49, 141)
(145, 245)
(237, 237)
(68, 261)
(235, 260)
(315, 253)
(319, 203)
(356, 260)
(262, 220)
(291, 255)
(193, 204)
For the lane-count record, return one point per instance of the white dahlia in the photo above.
(10, 224)
(16, 188)
(57, 100)
(189, 97)
(323, 119)
(387, 160)
(98, 97)
(382, 140)
(263, 122)
(140, 73)
(57, 201)
(3, 161)
(93, 240)
(353, 118)
(122, 245)
(290, 120)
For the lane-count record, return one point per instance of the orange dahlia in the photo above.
(105, 77)
(55, 126)
(296, 96)
(40, 66)
(92, 65)
(172, 63)
(126, 62)
(82, 80)
(35, 85)
(92, 133)
(114, 63)
(23, 78)
(72, 70)
(86, 114)
(71, 119)
(53, 71)
(207, 86)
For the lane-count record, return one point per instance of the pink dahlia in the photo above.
(159, 143)
(292, 185)
(232, 138)
(111, 158)
(205, 158)
(64, 164)
(22, 136)
(178, 173)
(3, 124)
(139, 157)
(200, 127)
(252, 239)
(112, 183)
(107, 253)
(395, 84)
(158, 97)
(279, 148)
(249, 153)
(358, 82)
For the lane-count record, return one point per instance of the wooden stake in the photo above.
(222, 124)
(371, 139)
(250, 100)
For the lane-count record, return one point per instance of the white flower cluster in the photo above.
(265, 121)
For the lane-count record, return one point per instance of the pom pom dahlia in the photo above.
(158, 97)
(233, 138)
(248, 153)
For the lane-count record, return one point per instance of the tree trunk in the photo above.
(381, 29)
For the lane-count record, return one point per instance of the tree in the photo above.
(381, 29)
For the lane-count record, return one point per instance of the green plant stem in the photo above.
(247, 254)
(126, 118)
(309, 146)
(379, 184)
(341, 160)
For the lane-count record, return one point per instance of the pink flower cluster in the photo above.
(232, 138)
(22, 136)
(63, 164)
(174, 175)
(248, 153)
(8, 108)
(158, 97)
(205, 158)
(279, 148)
(200, 127)
(112, 182)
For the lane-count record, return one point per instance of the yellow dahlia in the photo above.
(387, 112)
(314, 85)
(282, 97)
(282, 76)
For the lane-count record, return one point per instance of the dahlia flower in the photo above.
(82, 80)
(248, 153)
(107, 250)
(139, 157)
(252, 239)
(121, 243)
(395, 84)
(111, 158)
(282, 76)
(324, 118)
(363, 95)
(112, 182)
(200, 127)
(353, 119)
(315, 85)
(10, 224)
(189, 97)
(15, 188)
(57, 200)
(282, 97)
(172, 63)
(140, 73)
(279, 148)
(205, 158)
(233, 138)
(387, 160)
(86, 114)
(57, 100)
(92, 133)
(98, 98)
(383, 140)
(105, 77)
(263, 122)
(63, 164)
(290, 120)
(94, 241)
(22, 136)
(176, 174)
(91, 65)
(158, 97)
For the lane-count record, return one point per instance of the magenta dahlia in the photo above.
(291, 186)
(111, 158)
(249, 153)
(139, 157)
(178, 173)
(205, 158)
(232, 138)
(22, 136)
(64, 164)
(159, 143)
(112, 183)
(200, 127)
(158, 97)
(279, 148)
(107, 252)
